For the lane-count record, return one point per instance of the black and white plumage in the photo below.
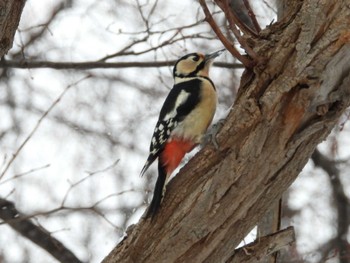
(184, 118)
(180, 101)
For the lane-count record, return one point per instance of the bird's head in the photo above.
(195, 64)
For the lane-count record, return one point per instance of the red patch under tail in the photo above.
(173, 153)
(169, 160)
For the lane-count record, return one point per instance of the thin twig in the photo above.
(232, 20)
(94, 208)
(252, 15)
(14, 156)
(228, 45)
(104, 169)
(238, 19)
(124, 49)
(16, 176)
(164, 43)
(90, 174)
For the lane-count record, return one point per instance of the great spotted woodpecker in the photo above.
(183, 120)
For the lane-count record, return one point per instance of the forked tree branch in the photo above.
(235, 24)
(228, 45)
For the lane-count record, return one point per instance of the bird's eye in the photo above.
(195, 58)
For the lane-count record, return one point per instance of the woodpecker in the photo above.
(184, 118)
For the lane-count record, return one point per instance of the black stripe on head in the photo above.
(199, 67)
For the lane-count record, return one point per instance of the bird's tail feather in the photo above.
(148, 163)
(158, 192)
(145, 167)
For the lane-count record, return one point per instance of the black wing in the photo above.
(181, 100)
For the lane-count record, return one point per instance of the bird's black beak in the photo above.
(211, 56)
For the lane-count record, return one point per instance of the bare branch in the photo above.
(25, 64)
(269, 224)
(37, 126)
(229, 46)
(90, 174)
(264, 246)
(94, 208)
(340, 243)
(16, 176)
(43, 28)
(252, 15)
(177, 31)
(167, 42)
(123, 52)
(234, 22)
(241, 17)
(36, 234)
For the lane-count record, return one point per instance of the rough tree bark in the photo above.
(10, 14)
(283, 110)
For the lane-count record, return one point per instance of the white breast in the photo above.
(194, 126)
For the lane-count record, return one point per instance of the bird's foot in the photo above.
(210, 136)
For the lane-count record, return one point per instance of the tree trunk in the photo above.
(283, 110)
(10, 14)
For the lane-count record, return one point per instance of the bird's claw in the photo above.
(210, 136)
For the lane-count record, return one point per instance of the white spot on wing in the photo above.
(170, 115)
(181, 98)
